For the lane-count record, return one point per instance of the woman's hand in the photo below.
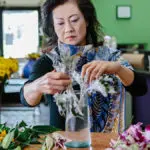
(52, 82)
(95, 69)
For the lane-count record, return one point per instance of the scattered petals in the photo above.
(55, 141)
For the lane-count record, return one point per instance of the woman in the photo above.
(73, 24)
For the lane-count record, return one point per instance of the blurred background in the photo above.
(126, 26)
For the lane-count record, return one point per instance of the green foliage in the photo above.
(44, 129)
(4, 127)
(22, 135)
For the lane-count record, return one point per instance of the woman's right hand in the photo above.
(52, 82)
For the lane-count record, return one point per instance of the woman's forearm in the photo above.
(125, 75)
(31, 94)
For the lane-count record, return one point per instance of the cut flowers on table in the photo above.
(55, 141)
(134, 138)
(21, 135)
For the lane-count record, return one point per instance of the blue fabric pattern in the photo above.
(99, 105)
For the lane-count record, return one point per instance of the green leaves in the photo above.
(18, 148)
(4, 127)
(22, 135)
(44, 129)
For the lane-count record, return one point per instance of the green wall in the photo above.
(127, 31)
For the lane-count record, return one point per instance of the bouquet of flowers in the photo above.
(70, 61)
(134, 138)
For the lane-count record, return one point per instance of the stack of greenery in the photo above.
(22, 135)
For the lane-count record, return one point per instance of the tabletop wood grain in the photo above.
(100, 141)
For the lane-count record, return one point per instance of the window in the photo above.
(20, 32)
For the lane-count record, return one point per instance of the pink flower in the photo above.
(147, 134)
(132, 138)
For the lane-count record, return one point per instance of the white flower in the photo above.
(97, 86)
(22, 129)
(111, 90)
(147, 133)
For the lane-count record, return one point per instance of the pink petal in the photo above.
(147, 128)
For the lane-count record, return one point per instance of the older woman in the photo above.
(72, 24)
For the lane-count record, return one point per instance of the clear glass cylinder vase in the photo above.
(77, 128)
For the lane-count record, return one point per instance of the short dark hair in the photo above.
(94, 28)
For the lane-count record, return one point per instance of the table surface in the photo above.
(100, 141)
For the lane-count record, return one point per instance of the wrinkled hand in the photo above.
(95, 69)
(52, 82)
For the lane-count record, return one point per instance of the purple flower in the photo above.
(147, 134)
(132, 138)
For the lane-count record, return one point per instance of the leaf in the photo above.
(23, 136)
(22, 124)
(4, 127)
(18, 148)
(49, 142)
(44, 129)
(12, 145)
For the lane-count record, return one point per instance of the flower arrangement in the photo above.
(134, 138)
(106, 84)
(70, 60)
(8, 66)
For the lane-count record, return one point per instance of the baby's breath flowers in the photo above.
(106, 84)
(71, 60)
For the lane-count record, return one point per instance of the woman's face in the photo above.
(69, 24)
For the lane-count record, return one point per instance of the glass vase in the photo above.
(77, 127)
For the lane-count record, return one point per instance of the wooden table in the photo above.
(100, 141)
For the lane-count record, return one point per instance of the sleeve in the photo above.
(115, 55)
(41, 67)
(139, 86)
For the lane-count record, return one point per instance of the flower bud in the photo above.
(7, 139)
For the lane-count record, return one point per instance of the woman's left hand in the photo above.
(96, 68)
